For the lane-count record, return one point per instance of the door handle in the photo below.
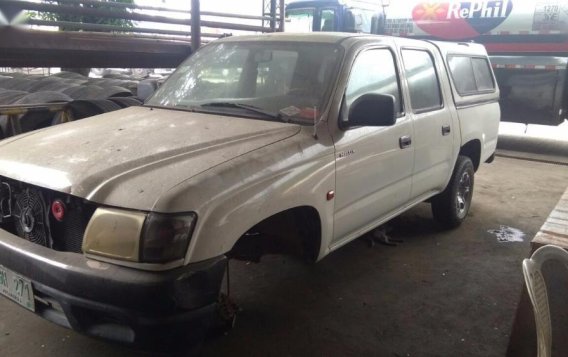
(404, 141)
(446, 130)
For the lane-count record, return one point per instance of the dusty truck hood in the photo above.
(128, 158)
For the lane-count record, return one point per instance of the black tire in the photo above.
(10, 96)
(71, 89)
(117, 92)
(90, 92)
(19, 84)
(3, 80)
(87, 108)
(450, 207)
(125, 102)
(43, 97)
(35, 120)
(40, 85)
(69, 75)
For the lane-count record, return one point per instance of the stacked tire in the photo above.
(85, 97)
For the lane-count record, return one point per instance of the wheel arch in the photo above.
(295, 231)
(472, 149)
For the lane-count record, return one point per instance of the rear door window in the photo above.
(423, 85)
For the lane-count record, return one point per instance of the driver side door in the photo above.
(373, 164)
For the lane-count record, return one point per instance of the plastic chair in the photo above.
(537, 292)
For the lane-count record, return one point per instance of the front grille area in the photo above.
(25, 210)
(71, 230)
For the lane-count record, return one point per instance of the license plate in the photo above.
(17, 288)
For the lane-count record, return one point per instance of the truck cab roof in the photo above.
(464, 48)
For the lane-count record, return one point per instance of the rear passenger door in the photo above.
(432, 119)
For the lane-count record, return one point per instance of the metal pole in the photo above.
(282, 15)
(112, 28)
(273, 15)
(121, 5)
(195, 25)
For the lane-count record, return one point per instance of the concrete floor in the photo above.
(437, 294)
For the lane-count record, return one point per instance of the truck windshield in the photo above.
(300, 20)
(278, 79)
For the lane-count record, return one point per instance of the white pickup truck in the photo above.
(119, 226)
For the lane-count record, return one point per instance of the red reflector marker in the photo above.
(58, 210)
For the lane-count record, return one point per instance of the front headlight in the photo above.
(138, 236)
(114, 233)
(165, 237)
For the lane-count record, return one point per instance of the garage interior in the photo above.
(432, 292)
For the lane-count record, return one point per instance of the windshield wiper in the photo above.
(248, 107)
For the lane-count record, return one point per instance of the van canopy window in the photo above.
(471, 75)
(482, 73)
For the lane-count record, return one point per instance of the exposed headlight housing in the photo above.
(138, 236)
(114, 233)
(165, 237)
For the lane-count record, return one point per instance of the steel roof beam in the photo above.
(30, 48)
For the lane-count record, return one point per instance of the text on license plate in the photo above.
(16, 288)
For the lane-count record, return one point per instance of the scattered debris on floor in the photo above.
(507, 234)
(380, 235)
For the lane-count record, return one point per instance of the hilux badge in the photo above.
(343, 154)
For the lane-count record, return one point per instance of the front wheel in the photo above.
(451, 206)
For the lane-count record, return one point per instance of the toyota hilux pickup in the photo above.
(120, 226)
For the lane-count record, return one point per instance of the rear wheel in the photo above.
(452, 205)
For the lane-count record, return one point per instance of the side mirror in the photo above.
(372, 110)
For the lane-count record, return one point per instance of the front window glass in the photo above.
(299, 20)
(280, 79)
(374, 71)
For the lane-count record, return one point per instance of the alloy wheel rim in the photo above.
(463, 196)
